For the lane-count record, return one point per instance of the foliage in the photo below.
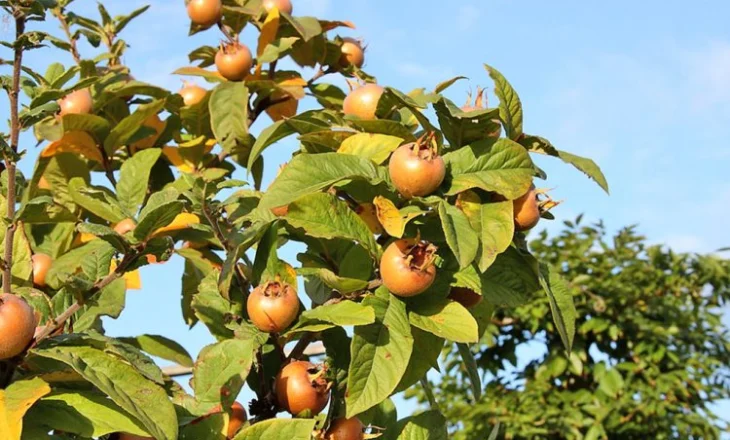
(140, 174)
(650, 354)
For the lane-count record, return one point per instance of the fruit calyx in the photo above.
(275, 289)
(420, 255)
(425, 147)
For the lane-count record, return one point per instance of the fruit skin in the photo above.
(234, 61)
(281, 5)
(527, 211)
(363, 102)
(297, 392)
(205, 13)
(404, 278)
(125, 226)
(346, 429)
(192, 94)
(464, 296)
(41, 265)
(78, 102)
(273, 306)
(352, 53)
(17, 325)
(154, 122)
(238, 418)
(415, 171)
(369, 215)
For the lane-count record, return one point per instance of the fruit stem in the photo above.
(227, 32)
(58, 13)
(9, 159)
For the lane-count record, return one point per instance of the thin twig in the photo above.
(320, 73)
(67, 30)
(9, 161)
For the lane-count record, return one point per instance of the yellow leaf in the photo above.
(293, 87)
(268, 34)
(132, 279)
(75, 142)
(391, 218)
(182, 221)
(283, 110)
(15, 402)
(471, 205)
(82, 238)
(173, 155)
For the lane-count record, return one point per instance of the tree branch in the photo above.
(58, 13)
(13, 96)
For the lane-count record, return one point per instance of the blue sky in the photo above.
(641, 87)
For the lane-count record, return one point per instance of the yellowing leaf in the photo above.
(82, 238)
(283, 110)
(268, 34)
(471, 205)
(132, 279)
(393, 221)
(182, 221)
(294, 87)
(15, 402)
(75, 142)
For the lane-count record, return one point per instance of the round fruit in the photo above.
(281, 5)
(125, 226)
(300, 387)
(41, 265)
(238, 418)
(346, 429)
(192, 94)
(369, 215)
(416, 169)
(205, 13)
(363, 101)
(17, 325)
(154, 122)
(407, 267)
(352, 53)
(527, 211)
(466, 297)
(234, 61)
(78, 102)
(273, 306)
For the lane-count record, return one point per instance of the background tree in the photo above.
(392, 212)
(650, 356)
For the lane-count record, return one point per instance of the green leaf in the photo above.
(509, 281)
(70, 262)
(422, 360)
(269, 135)
(429, 425)
(108, 302)
(128, 127)
(497, 230)
(97, 200)
(229, 114)
(84, 413)
(221, 370)
(97, 126)
(42, 210)
(211, 308)
(141, 398)
(276, 49)
(612, 383)
(503, 166)
(325, 216)
(448, 83)
(161, 347)
(446, 319)
(380, 354)
(344, 313)
(134, 178)
(332, 280)
(277, 429)
(376, 147)
(561, 304)
(105, 233)
(460, 236)
(510, 107)
(460, 127)
(587, 166)
(309, 173)
(160, 210)
(470, 364)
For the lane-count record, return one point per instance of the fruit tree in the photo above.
(410, 210)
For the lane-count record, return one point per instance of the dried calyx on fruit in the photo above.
(407, 267)
(273, 306)
(301, 387)
(233, 61)
(416, 169)
(480, 103)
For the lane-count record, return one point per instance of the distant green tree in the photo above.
(651, 352)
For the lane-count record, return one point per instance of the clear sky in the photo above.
(641, 87)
